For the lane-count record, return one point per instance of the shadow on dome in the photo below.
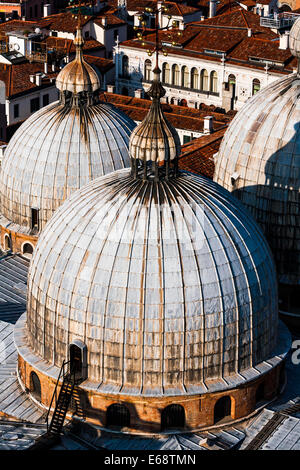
(276, 209)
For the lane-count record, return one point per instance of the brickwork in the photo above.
(17, 240)
(145, 413)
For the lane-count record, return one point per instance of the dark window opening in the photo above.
(75, 359)
(118, 415)
(7, 243)
(222, 409)
(27, 249)
(30, 12)
(16, 111)
(35, 10)
(34, 105)
(45, 100)
(125, 91)
(35, 386)
(34, 219)
(173, 416)
(54, 34)
(260, 393)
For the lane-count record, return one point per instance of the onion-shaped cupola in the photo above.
(154, 145)
(78, 80)
(59, 149)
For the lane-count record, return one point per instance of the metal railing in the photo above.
(62, 374)
(180, 87)
(282, 20)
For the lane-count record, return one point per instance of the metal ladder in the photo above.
(62, 402)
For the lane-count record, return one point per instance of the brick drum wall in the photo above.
(145, 413)
(17, 239)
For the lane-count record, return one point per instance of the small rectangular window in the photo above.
(34, 219)
(54, 33)
(16, 111)
(45, 99)
(34, 104)
(186, 139)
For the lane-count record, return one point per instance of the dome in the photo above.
(259, 161)
(78, 76)
(56, 151)
(294, 39)
(168, 284)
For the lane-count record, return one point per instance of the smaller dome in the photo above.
(295, 39)
(78, 76)
(155, 139)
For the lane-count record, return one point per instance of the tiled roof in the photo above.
(18, 25)
(16, 77)
(197, 155)
(226, 33)
(102, 64)
(62, 22)
(180, 116)
(112, 20)
(174, 8)
(68, 44)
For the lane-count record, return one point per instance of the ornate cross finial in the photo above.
(161, 7)
(154, 143)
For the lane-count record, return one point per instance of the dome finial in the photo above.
(295, 42)
(78, 77)
(155, 144)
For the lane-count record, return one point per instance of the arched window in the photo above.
(185, 77)
(27, 250)
(204, 80)
(148, 67)
(183, 102)
(125, 66)
(124, 91)
(175, 75)
(194, 79)
(255, 86)
(117, 415)
(7, 243)
(166, 73)
(173, 416)
(78, 359)
(172, 101)
(232, 82)
(214, 82)
(260, 393)
(222, 409)
(35, 386)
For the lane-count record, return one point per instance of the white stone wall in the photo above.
(244, 77)
(24, 103)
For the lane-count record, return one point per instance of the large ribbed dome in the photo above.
(259, 160)
(56, 151)
(168, 284)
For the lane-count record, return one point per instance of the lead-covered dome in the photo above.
(259, 161)
(168, 284)
(56, 151)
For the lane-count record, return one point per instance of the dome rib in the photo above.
(162, 309)
(56, 157)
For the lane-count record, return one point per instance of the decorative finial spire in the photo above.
(78, 81)
(154, 144)
(294, 42)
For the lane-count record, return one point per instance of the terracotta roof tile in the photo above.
(17, 77)
(197, 155)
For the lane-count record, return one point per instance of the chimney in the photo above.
(104, 21)
(47, 9)
(249, 32)
(110, 88)
(38, 79)
(46, 67)
(212, 8)
(284, 41)
(32, 78)
(138, 93)
(208, 125)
